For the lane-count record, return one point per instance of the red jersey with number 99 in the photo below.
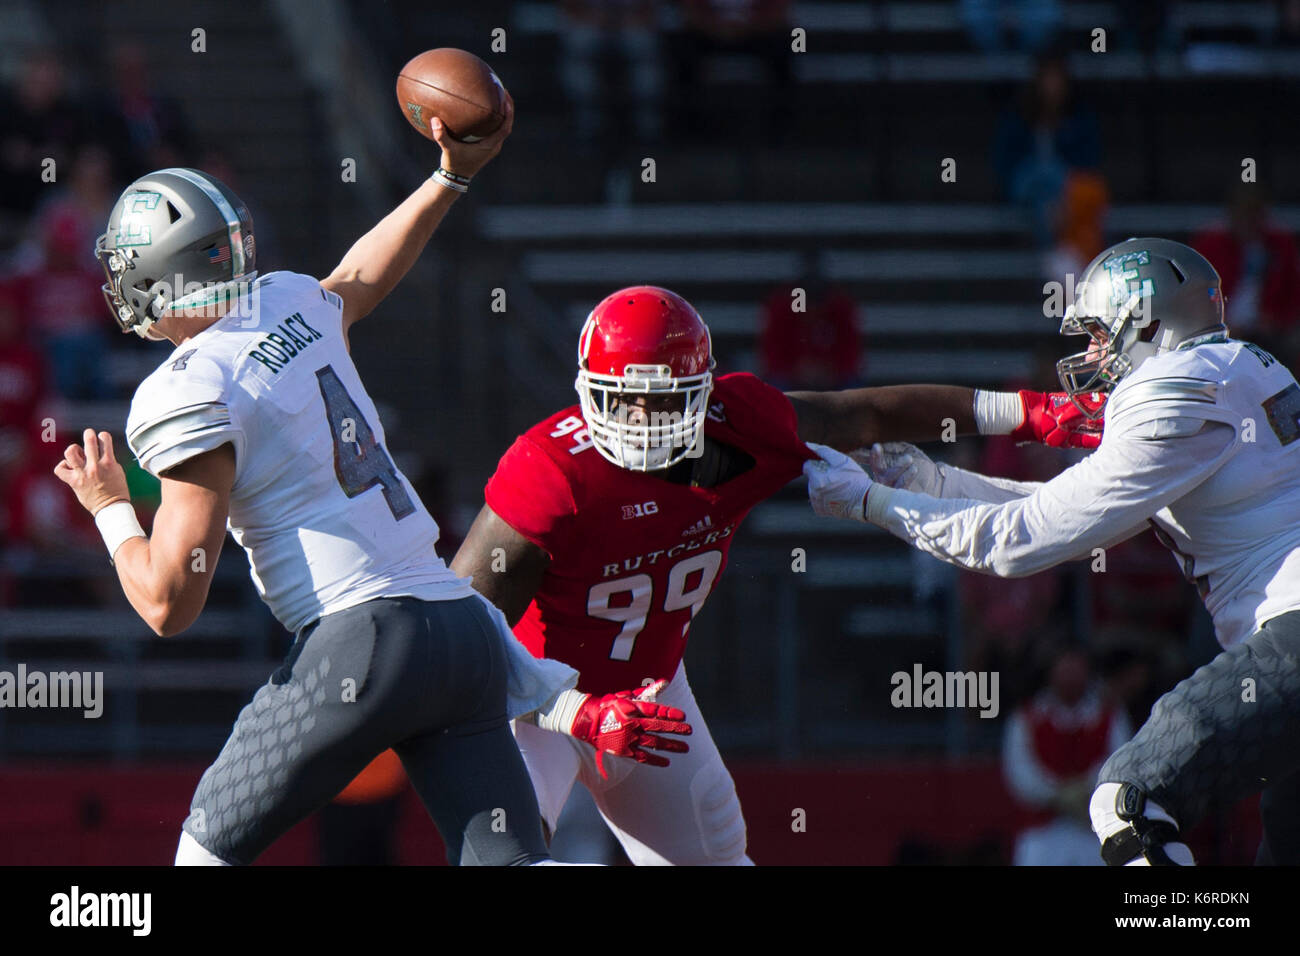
(633, 555)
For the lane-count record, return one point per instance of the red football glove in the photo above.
(625, 723)
(1052, 419)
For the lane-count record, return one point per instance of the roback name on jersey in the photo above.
(290, 337)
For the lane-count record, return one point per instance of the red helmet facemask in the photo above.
(645, 341)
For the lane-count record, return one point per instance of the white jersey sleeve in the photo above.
(1108, 497)
(960, 483)
(180, 411)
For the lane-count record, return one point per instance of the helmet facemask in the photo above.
(1118, 345)
(117, 264)
(646, 438)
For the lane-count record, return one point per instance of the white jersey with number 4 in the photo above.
(327, 519)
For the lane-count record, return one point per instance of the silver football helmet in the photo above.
(176, 239)
(1138, 298)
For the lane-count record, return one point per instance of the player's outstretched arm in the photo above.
(847, 418)
(1096, 503)
(505, 567)
(377, 262)
(165, 577)
(901, 465)
(860, 417)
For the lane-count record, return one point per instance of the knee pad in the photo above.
(1132, 828)
(719, 817)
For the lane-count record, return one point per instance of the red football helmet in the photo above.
(645, 341)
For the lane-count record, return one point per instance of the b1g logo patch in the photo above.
(641, 510)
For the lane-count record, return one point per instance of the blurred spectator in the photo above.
(758, 29)
(154, 128)
(39, 120)
(42, 515)
(819, 347)
(1040, 141)
(66, 306)
(1035, 23)
(87, 199)
(1256, 259)
(23, 384)
(1081, 225)
(629, 30)
(1053, 748)
(53, 554)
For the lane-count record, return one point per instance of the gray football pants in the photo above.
(426, 678)
(1229, 730)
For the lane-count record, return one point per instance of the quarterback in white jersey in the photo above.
(1199, 444)
(258, 421)
(279, 386)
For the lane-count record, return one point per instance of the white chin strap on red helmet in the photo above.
(644, 439)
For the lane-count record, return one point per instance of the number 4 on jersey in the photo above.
(360, 462)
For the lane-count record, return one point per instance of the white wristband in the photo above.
(443, 178)
(998, 413)
(116, 523)
(562, 713)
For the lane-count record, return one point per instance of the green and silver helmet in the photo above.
(176, 239)
(1136, 299)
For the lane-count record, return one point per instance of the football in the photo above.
(455, 86)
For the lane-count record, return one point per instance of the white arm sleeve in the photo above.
(959, 483)
(1106, 498)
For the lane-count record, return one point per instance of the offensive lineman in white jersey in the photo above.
(259, 419)
(1199, 443)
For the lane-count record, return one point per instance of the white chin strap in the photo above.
(145, 329)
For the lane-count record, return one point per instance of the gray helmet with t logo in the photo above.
(177, 238)
(1138, 298)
